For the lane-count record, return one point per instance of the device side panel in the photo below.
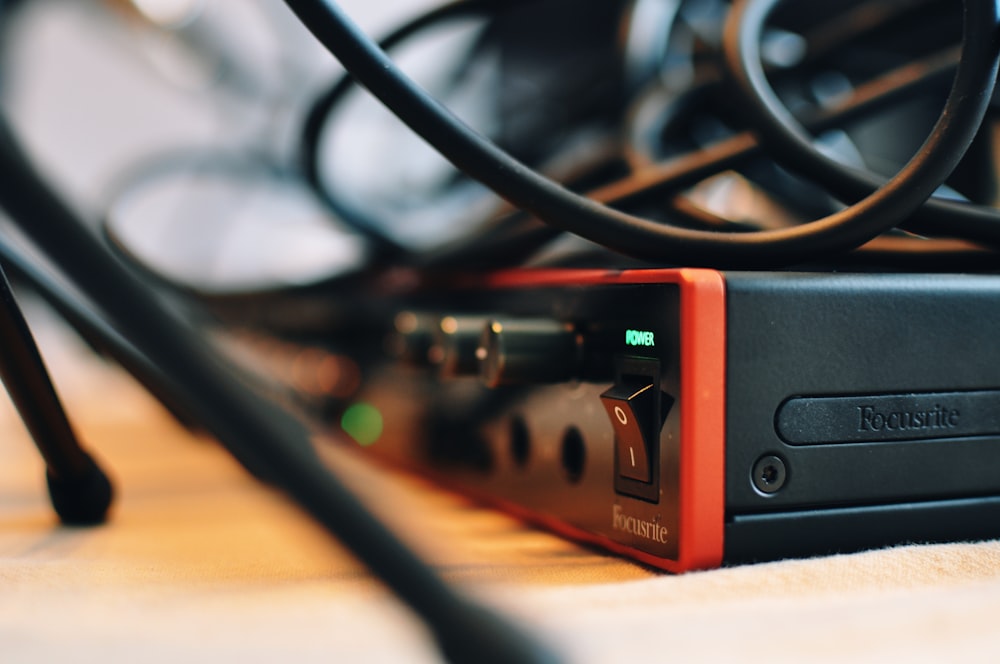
(854, 396)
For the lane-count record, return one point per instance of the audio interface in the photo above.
(690, 418)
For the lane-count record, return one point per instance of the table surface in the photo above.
(201, 563)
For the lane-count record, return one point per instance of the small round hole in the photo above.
(574, 454)
(520, 442)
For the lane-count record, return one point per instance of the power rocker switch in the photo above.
(632, 409)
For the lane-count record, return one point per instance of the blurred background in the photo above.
(96, 85)
(182, 127)
(175, 122)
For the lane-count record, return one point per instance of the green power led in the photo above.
(639, 338)
(363, 423)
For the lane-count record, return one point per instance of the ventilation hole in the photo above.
(520, 442)
(574, 454)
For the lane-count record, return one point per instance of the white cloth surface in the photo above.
(199, 563)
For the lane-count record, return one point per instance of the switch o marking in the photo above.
(620, 414)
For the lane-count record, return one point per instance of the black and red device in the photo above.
(690, 417)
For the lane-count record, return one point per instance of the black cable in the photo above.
(512, 239)
(788, 142)
(506, 246)
(508, 241)
(502, 244)
(140, 174)
(320, 109)
(484, 161)
(732, 152)
(196, 162)
(255, 430)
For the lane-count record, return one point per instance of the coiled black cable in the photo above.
(317, 115)
(644, 238)
(790, 144)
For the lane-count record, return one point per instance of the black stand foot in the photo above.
(80, 491)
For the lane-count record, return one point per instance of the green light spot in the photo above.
(639, 338)
(363, 423)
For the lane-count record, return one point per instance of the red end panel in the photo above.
(703, 418)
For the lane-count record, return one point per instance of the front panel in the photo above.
(605, 422)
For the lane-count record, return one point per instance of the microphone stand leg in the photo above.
(81, 493)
